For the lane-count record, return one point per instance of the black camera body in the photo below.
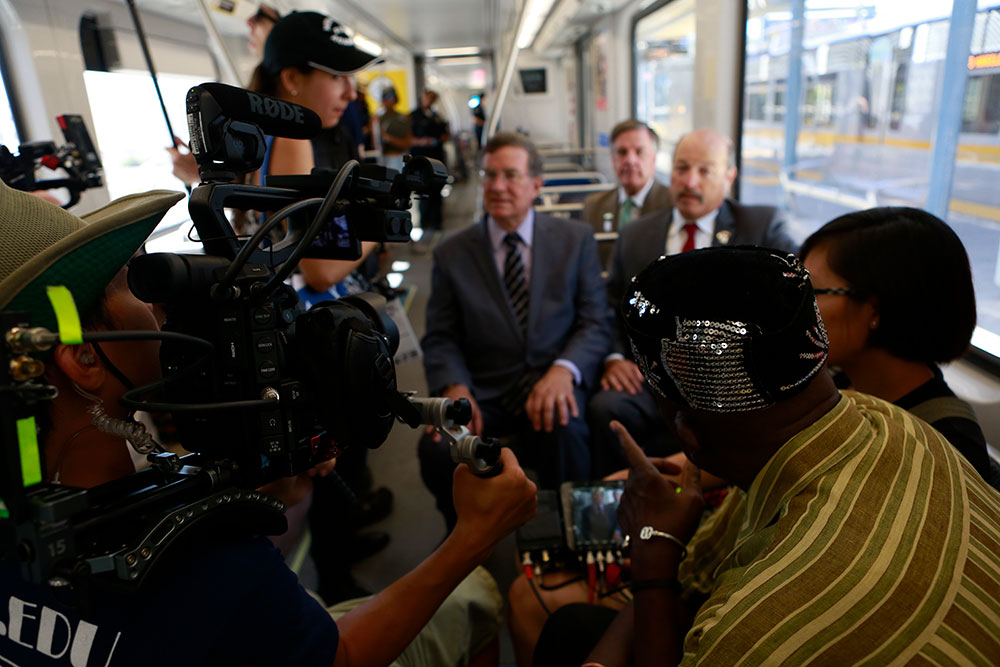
(258, 387)
(285, 388)
(77, 158)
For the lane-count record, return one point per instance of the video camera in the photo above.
(77, 158)
(258, 387)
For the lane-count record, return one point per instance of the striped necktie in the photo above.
(515, 281)
(625, 213)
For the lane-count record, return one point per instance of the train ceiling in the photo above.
(414, 25)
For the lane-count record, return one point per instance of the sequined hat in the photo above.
(725, 329)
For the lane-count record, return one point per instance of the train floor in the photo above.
(415, 526)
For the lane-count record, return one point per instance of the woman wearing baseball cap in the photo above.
(309, 59)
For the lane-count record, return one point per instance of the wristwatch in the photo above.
(648, 532)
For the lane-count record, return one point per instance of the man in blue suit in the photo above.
(703, 215)
(517, 323)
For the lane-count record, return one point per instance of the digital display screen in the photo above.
(594, 515)
(336, 235)
(533, 80)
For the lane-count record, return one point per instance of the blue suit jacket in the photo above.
(472, 336)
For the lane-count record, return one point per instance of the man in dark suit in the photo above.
(517, 323)
(633, 156)
(702, 215)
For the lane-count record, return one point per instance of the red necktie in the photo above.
(692, 230)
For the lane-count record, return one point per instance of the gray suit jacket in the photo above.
(599, 203)
(472, 335)
(645, 239)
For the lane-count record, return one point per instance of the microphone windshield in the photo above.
(273, 116)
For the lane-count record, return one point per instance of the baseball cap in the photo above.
(316, 40)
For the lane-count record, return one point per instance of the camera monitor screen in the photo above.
(590, 510)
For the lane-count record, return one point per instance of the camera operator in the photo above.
(229, 598)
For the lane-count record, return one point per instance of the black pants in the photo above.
(640, 415)
(571, 633)
(331, 521)
(560, 456)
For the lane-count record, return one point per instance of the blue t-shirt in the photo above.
(234, 603)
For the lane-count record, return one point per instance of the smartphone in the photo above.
(590, 514)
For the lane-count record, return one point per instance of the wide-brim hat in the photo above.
(316, 40)
(45, 245)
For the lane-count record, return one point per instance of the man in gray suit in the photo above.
(517, 322)
(702, 215)
(633, 157)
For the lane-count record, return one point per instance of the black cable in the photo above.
(321, 215)
(251, 245)
(563, 584)
(115, 336)
(129, 399)
(538, 595)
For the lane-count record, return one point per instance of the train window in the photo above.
(980, 112)
(860, 108)
(664, 69)
(778, 110)
(818, 109)
(133, 137)
(756, 103)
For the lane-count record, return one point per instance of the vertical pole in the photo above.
(508, 73)
(152, 72)
(950, 103)
(218, 46)
(793, 85)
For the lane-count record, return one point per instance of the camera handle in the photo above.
(449, 418)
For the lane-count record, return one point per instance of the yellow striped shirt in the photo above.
(866, 539)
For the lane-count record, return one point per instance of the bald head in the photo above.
(703, 172)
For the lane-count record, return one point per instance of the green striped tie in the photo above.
(625, 212)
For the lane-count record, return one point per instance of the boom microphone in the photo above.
(273, 116)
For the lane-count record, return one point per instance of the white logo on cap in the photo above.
(337, 33)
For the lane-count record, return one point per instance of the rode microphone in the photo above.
(227, 127)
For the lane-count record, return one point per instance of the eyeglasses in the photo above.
(843, 291)
(512, 176)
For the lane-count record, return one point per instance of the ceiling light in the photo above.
(467, 60)
(534, 16)
(366, 44)
(452, 52)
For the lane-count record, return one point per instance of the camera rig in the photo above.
(259, 388)
(77, 157)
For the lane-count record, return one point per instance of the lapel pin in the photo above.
(723, 236)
